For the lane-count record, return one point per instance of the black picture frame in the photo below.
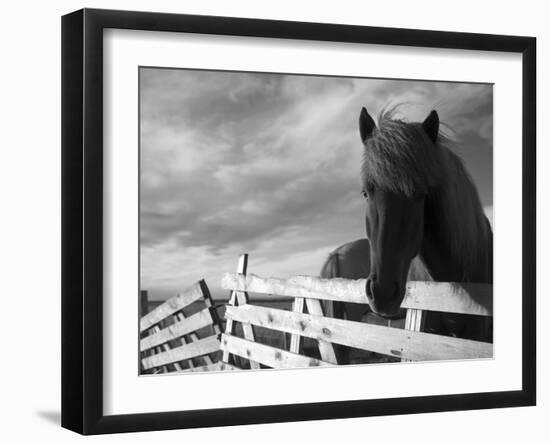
(82, 220)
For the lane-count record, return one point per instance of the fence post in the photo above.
(143, 303)
(240, 298)
(194, 337)
(414, 321)
(296, 339)
(143, 310)
(326, 349)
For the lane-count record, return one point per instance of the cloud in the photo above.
(268, 164)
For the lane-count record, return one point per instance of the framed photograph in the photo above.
(269, 221)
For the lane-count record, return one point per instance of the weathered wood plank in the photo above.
(165, 347)
(339, 289)
(204, 346)
(194, 337)
(414, 321)
(266, 355)
(277, 286)
(325, 347)
(242, 266)
(229, 325)
(219, 366)
(178, 329)
(180, 316)
(296, 339)
(411, 345)
(240, 298)
(462, 298)
(158, 349)
(172, 305)
(227, 367)
(207, 299)
(248, 329)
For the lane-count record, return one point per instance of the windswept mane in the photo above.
(462, 223)
(399, 157)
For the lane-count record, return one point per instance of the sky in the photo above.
(268, 164)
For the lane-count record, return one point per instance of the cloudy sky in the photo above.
(269, 164)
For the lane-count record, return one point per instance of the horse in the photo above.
(421, 204)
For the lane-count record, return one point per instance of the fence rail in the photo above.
(267, 355)
(178, 329)
(172, 340)
(184, 352)
(174, 304)
(459, 298)
(381, 339)
(409, 344)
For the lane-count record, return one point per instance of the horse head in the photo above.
(400, 168)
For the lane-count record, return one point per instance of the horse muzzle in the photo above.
(384, 299)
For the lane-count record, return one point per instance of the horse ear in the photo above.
(431, 126)
(366, 125)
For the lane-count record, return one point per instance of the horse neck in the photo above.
(457, 243)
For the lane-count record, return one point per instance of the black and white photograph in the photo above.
(275, 221)
(295, 221)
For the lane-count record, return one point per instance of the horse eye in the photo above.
(365, 194)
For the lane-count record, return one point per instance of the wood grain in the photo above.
(326, 349)
(201, 347)
(296, 339)
(219, 366)
(267, 355)
(172, 305)
(471, 298)
(411, 345)
(178, 329)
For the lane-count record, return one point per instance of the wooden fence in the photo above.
(409, 344)
(181, 334)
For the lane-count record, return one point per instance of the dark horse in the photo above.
(421, 207)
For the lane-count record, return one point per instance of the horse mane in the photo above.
(459, 213)
(399, 157)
